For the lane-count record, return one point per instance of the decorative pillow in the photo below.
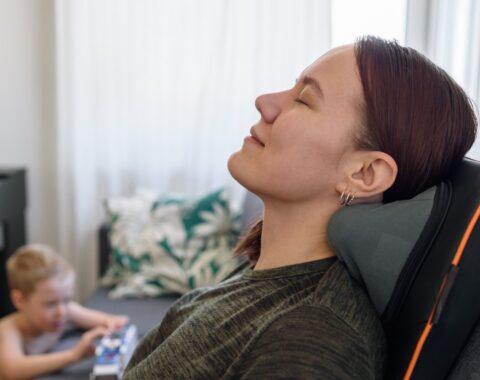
(170, 244)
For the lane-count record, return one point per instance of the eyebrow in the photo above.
(314, 84)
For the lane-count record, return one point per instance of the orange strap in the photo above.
(466, 236)
(429, 325)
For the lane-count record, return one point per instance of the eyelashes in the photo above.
(300, 101)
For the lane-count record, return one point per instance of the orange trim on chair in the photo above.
(466, 236)
(425, 333)
(418, 349)
(429, 325)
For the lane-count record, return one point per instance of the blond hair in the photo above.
(32, 264)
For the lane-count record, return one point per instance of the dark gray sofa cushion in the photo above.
(145, 313)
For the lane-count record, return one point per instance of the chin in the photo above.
(234, 167)
(240, 171)
(247, 175)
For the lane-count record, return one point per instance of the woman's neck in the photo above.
(294, 234)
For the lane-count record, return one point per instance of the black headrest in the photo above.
(431, 239)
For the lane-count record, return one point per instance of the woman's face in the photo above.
(297, 149)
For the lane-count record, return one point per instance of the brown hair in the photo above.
(32, 264)
(413, 111)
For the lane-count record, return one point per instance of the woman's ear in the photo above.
(368, 174)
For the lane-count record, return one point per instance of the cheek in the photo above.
(305, 149)
(308, 162)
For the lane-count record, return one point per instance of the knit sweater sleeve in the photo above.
(310, 342)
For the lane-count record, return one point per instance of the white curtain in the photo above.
(448, 32)
(158, 94)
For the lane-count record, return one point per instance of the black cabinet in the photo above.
(13, 202)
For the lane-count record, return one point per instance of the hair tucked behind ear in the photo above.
(413, 111)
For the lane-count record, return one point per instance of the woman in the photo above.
(365, 122)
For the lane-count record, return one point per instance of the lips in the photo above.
(255, 137)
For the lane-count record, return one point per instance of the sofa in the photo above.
(145, 312)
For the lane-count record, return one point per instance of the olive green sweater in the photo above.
(304, 321)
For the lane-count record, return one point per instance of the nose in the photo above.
(269, 106)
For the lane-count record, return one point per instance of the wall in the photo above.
(27, 107)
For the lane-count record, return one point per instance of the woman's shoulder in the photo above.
(345, 297)
(348, 302)
(321, 339)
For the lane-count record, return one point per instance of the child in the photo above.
(41, 288)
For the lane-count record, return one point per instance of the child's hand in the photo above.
(85, 347)
(115, 322)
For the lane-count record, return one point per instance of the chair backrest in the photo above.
(436, 303)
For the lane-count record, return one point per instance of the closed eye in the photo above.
(300, 101)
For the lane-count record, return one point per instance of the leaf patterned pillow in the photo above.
(170, 244)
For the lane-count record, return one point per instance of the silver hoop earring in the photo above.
(347, 197)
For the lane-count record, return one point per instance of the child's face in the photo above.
(47, 306)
